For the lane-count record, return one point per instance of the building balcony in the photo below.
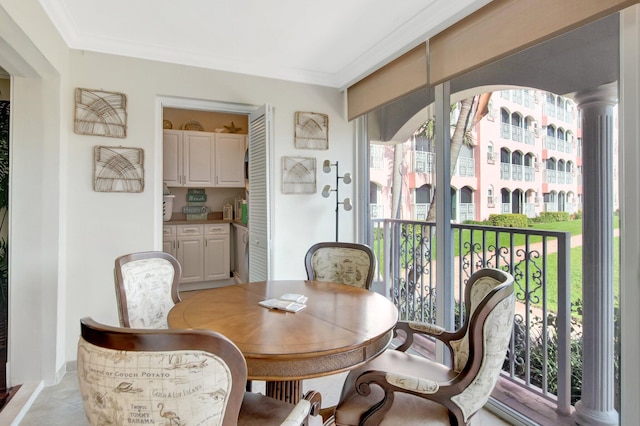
(423, 162)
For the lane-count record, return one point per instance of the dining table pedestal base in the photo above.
(288, 391)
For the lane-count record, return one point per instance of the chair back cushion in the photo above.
(147, 285)
(164, 387)
(478, 287)
(342, 264)
(496, 334)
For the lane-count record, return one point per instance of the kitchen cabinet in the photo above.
(229, 155)
(172, 157)
(190, 252)
(217, 252)
(169, 243)
(203, 250)
(203, 159)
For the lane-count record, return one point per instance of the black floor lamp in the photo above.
(326, 191)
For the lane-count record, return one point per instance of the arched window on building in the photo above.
(551, 170)
(505, 200)
(516, 127)
(467, 206)
(516, 166)
(550, 141)
(422, 198)
(505, 124)
(505, 164)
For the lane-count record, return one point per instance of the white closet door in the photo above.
(258, 199)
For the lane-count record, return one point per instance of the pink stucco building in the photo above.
(526, 158)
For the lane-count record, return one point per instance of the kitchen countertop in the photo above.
(214, 217)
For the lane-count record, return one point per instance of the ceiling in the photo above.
(331, 43)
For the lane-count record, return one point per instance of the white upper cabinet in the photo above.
(229, 164)
(172, 157)
(199, 158)
(203, 159)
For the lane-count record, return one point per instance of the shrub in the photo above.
(509, 220)
(474, 222)
(549, 217)
(536, 353)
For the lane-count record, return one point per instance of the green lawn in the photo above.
(576, 276)
(575, 228)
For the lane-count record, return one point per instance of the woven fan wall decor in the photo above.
(118, 169)
(100, 113)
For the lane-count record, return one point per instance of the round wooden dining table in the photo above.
(341, 327)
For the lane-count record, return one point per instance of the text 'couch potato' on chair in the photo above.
(343, 263)
(146, 288)
(174, 377)
(398, 388)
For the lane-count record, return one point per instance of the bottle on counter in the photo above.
(245, 213)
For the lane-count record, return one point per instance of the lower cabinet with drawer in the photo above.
(203, 250)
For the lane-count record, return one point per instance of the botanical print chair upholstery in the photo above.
(344, 263)
(173, 377)
(413, 390)
(146, 286)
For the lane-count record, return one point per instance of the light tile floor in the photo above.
(62, 404)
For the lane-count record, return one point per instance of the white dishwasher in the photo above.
(241, 267)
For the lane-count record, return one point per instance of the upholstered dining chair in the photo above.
(174, 377)
(146, 288)
(399, 388)
(344, 263)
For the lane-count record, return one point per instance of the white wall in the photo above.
(33, 53)
(102, 226)
(65, 236)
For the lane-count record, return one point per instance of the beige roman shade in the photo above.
(406, 74)
(504, 27)
(493, 32)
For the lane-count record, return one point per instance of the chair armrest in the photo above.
(306, 407)
(410, 328)
(315, 399)
(391, 383)
(299, 415)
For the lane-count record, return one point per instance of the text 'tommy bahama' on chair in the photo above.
(174, 377)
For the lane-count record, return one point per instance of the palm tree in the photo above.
(461, 132)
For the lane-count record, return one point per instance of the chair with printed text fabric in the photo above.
(174, 377)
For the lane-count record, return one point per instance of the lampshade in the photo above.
(347, 204)
(326, 191)
(346, 178)
(326, 166)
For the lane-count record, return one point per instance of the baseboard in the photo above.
(13, 413)
(507, 414)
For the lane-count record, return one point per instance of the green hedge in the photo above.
(509, 220)
(550, 217)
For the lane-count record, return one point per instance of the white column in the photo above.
(596, 405)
